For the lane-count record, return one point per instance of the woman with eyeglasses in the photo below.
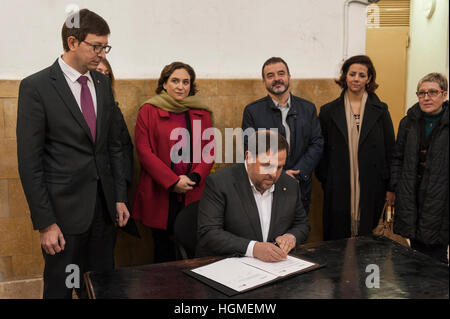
(354, 169)
(175, 152)
(420, 170)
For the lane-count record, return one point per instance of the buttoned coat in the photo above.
(59, 162)
(153, 145)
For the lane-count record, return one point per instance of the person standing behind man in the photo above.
(70, 156)
(174, 162)
(295, 118)
(104, 67)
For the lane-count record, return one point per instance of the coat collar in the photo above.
(338, 116)
(242, 185)
(293, 106)
(444, 119)
(415, 113)
(279, 200)
(70, 72)
(373, 110)
(100, 86)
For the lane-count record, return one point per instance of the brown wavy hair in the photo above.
(371, 86)
(167, 72)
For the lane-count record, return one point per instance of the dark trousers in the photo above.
(89, 251)
(163, 239)
(438, 252)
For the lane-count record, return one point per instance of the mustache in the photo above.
(278, 82)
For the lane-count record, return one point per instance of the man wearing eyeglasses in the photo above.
(69, 155)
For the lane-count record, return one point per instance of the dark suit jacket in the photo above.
(228, 217)
(59, 164)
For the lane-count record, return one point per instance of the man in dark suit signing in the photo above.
(254, 208)
(70, 155)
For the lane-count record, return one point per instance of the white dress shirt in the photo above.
(72, 76)
(264, 205)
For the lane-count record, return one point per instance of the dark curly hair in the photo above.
(371, 86)
(167, 72)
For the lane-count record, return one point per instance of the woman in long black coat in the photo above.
(359, 138)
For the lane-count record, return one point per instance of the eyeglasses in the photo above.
(98, 48)
(431, 93)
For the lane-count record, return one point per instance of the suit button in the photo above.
(97, 177)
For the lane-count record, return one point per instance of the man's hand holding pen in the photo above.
(286, 242)
(276, 251)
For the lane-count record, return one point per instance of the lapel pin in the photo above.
(284, 188)
(98, 81)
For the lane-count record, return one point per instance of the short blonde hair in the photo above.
(434, 77)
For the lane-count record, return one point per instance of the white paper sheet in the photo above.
(280, 268)
(231, 272)
(244, 273)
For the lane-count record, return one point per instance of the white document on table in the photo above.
(232, 273)
(281, 268)
(245, 273)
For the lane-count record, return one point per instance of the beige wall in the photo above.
(20, 253)
(387, 47)
(428, 49)
(220, 39)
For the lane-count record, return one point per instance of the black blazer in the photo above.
(228, 217)
(59, 164)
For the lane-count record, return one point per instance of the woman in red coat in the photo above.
(175, 157)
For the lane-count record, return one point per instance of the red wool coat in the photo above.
(153, 145)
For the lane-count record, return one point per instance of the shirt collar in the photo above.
(271, 189)
(70, 72)
(288, 104)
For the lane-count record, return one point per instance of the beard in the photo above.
(277, 91)
(264, 184)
